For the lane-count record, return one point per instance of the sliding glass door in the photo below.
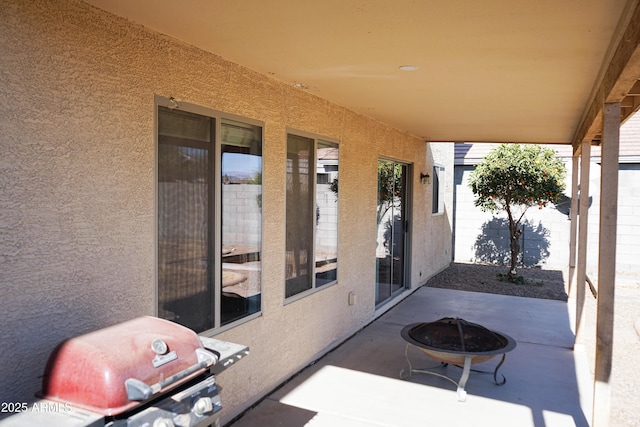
(392, 229)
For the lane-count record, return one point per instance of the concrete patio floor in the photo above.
(357, 384)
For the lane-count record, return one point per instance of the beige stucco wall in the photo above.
(77, 90)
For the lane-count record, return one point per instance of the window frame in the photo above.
(314, 288)
(214, 214)
(438, 190)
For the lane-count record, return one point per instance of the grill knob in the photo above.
(202, 406)
(159, 347)
(163, 422)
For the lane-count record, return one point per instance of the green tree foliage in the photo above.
(513, 178)
(389, 187)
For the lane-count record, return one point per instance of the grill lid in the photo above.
(110, 370)
(458, 335)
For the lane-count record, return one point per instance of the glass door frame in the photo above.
(406, 229)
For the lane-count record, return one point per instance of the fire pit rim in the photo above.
(510, 345)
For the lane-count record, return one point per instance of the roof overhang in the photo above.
(496, 70)
(620, 82)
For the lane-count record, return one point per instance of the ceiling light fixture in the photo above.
(408, 67)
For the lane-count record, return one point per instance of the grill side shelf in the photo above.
(228, 353)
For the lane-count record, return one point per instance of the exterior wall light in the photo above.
(425, 178)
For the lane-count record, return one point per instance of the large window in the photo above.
(312, 214)
(209, 217)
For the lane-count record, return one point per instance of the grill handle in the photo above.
(139, 390)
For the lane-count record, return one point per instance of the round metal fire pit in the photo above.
(458, 342)
(449, 340)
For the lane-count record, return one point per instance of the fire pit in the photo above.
(458, 342)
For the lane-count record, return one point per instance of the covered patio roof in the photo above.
(496, 70)
(492, 71)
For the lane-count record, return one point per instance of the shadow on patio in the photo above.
(548, 383)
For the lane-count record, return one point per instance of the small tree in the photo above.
(389, 188)
(514, 178)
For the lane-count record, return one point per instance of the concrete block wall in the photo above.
(242, 229)
(547, 231)
(484, 237)
(327, 223)
(628, 236)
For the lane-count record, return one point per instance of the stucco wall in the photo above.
(77, 192)
(433, 232)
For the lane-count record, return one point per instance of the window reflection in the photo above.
(241, 175)
(326, 213)
(312, 214)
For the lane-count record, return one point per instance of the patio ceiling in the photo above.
(493, 70)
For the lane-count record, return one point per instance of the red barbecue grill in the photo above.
(145, 372)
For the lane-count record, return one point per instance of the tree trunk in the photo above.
(515, 232)
(514, 244)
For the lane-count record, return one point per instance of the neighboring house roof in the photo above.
(473, 153)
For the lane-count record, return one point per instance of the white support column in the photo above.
(583, 224)
(606, 263)
(574, 224)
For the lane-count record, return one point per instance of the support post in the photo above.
(573, 216)
(583, 228)
(606, 263)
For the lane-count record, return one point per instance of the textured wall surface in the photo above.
(77, 212)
